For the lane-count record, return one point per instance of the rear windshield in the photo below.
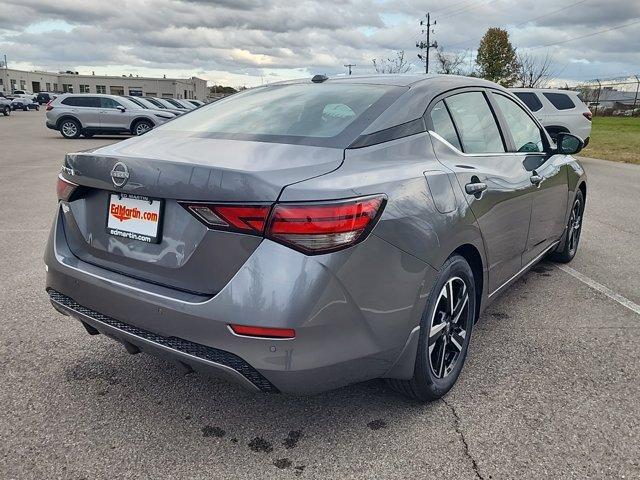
(313, 114)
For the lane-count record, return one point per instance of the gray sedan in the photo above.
(305, 235)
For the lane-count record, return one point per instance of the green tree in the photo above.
(496, 58)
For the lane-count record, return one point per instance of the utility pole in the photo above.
(349, 65)
(422, 45)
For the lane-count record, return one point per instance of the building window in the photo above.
(48, 87)
(67, 88)
(13, 85)
(101, 89)
(23, 84)
(55, 87)
(116, 90)
(84, 89)
(152, 94)
(135, 91)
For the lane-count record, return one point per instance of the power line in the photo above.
(548, 14)
(593, 34)
(452, 5)
(466, 9)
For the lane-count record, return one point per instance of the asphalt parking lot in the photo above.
(551, 388)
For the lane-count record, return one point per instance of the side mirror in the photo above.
(568, 144)
(121, 108)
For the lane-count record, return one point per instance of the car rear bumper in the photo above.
(355, 314)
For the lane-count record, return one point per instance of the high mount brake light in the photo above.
(310, 227)
(65, 188)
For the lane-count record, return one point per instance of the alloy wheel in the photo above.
(69, 129)
(142, 128)
(448, 332)
(575, 224)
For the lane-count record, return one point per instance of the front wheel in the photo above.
(445, 332)
(572, 236)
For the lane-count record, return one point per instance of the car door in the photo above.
(86, 109)
(467, 139)
(113, 115)
(548, 175)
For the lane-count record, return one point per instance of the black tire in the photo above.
(141, 127)
(569, 246)
(37, 107)
(432, 380)
(25, 108)
(6, 110)
(69, 128)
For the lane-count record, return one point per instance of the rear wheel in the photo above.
(70, 128)
(445, 332)
(6, 110)
(25, 108)
(572, 236)
(141, 127)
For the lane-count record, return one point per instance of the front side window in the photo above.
(530, 99)
(525, 132)
(443, 125)
(476, 124)
(106, 102)
(560, 100)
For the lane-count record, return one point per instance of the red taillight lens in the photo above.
(243, 218)
(263, 332)
(324, 227)
(65, 188)
(311, 227)
(48, 106)
(588, 115)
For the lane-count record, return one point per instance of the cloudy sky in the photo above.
(247, 42)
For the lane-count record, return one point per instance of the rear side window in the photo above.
(81, 102)
(299, 111)
(560, 100)
(530, 99)
(524, 131)
(476, 124)
(443, 125)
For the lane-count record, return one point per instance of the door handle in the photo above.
(475, 188)
(536, 179)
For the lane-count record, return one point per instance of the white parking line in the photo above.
(625, 302)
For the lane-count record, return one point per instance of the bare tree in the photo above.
(533, 71)
(397, 64)
(450, 62)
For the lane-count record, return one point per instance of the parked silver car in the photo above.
(90, 114)
(306, 235)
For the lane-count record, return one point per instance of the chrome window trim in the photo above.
(517, 154)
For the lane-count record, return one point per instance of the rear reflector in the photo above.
(310, 227)
(263, 332)
(49, 106)
(324, 227)
(588, 115)
(65, 188)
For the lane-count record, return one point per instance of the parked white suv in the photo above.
(86, 114)
(558, 111)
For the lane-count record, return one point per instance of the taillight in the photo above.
(65, 188)
(310, 227)
(49, 106)
(588, 115)
(242, 218)
(264, 332)
(324, 227)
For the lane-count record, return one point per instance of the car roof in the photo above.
(399, 80)
(543, 90)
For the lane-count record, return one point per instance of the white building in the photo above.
(70, 82)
